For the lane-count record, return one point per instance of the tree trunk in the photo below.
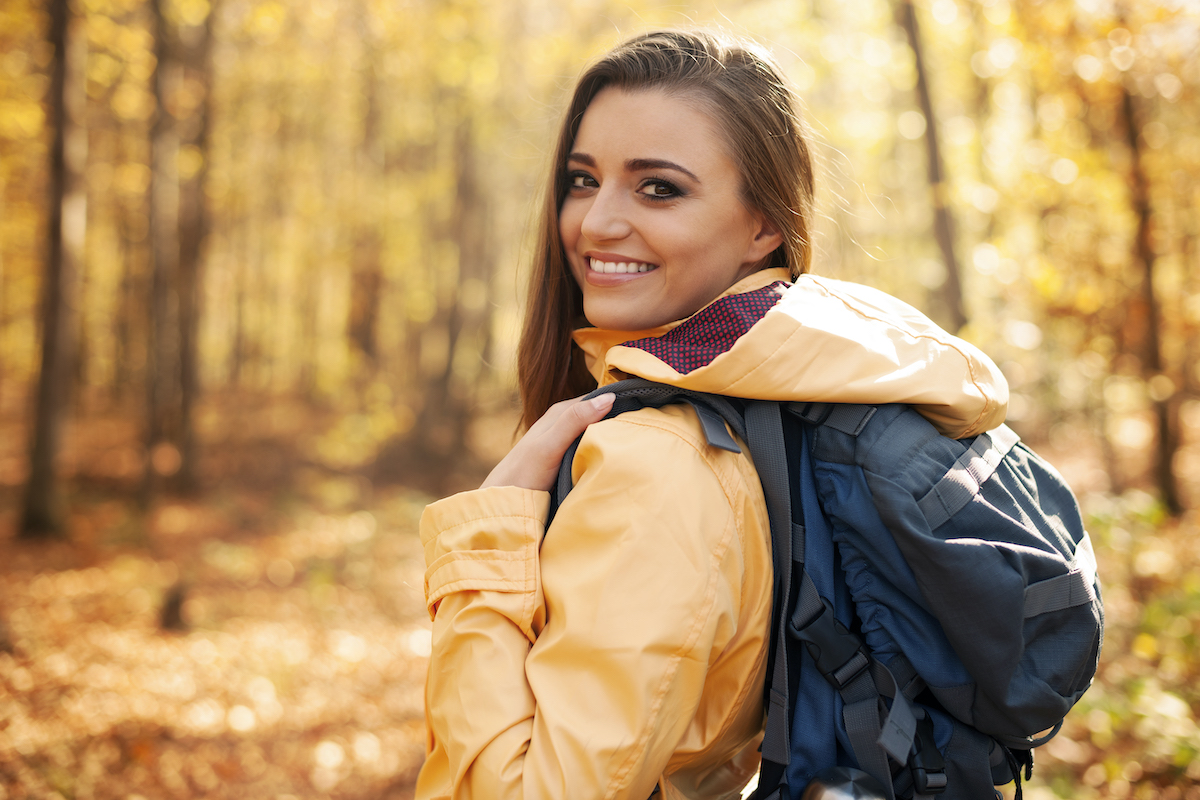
(949, 295)
(193, 228)
(128, 306)
(1165, 408)
(367, 270)
(162, 366)
(44, 512)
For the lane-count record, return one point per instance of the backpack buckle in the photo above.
(838, 652)
(926, 764)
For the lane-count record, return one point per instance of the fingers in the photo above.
(579, 415)
(533, 463)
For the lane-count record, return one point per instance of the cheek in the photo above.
(568, 223)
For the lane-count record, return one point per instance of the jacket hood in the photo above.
(817, 339)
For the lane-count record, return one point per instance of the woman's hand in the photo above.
(534, 461)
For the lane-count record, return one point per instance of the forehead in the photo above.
(651, 123)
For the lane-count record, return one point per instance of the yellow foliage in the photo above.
(189, 161)
(192, 12)
(21, 118)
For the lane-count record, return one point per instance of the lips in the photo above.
(619, 267)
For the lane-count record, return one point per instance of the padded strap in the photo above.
(1074, 588)
(764, 435)
(965, 479)
(713, 411)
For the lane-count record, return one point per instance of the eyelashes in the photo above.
(652, 188)
(654, 184)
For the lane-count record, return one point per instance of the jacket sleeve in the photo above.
(574, 672)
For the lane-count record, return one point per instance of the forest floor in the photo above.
(298, 668)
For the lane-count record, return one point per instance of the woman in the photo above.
(623, 648)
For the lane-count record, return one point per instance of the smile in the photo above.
(619, 267)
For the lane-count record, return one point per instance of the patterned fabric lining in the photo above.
(696, 342)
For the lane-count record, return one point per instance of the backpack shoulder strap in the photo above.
(764, 435)
(714, 412)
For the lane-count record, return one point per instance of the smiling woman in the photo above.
(654, 225)
(619, 650)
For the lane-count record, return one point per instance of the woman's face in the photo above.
(653, 223)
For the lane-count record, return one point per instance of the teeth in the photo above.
(619, 267)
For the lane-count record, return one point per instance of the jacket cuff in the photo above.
(483, 540)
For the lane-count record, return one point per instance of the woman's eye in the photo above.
(581, 180)
(659, 189)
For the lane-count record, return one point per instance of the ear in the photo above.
(766, 240)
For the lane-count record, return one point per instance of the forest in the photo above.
(261, 270)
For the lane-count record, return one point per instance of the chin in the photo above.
(607, 319)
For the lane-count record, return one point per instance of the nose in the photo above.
(607, 217)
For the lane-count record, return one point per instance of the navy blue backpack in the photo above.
(937, 610)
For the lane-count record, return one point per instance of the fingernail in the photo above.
(603, 401)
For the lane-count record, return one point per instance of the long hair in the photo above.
(745, 93)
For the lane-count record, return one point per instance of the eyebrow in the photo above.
(638, 164)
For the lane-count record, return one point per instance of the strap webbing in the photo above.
(874, 731)
(965, 479)
(846, 418)
(764, 435)
(714, 427)
(1070, 589)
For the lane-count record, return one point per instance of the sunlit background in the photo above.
(296, 293)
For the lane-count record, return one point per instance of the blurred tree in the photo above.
(178, 227)
(194, 106)
(44, 512)
(948, 298)
(1154, 368)
(163, 354)
(327, 202)
(366, 283)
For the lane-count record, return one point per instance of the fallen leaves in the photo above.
(300, 675)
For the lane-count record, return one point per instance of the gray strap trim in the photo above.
(797, 542)
(849, 419)
(862, 721)
(812, 413)
(963, 481)
(851, 668)
(1071, 589)
(714, 428)
(874, 731)
(808, 602)
(764, 434)
(900, 725)
(911, 684)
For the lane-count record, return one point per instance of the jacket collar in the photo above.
(596, 342)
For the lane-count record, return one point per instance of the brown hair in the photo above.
(750, 101)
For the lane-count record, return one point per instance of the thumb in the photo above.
(601, 404)
(584, 413)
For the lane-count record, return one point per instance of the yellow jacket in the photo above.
(625, 647)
